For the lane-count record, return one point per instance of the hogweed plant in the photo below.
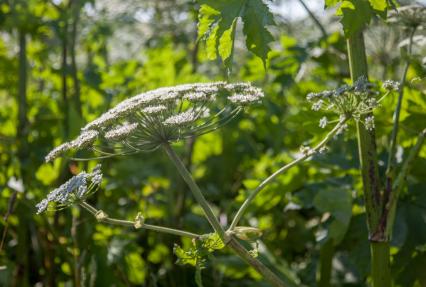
(158, 118)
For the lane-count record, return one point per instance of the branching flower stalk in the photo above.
(226, 237)
(157, 118)
(138, 223)
(305, 155)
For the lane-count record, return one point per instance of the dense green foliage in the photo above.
(63, 63)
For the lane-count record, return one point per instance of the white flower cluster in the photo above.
(369, 123)
(390, 85)
(323, 122)
(85, 139)
(348, 101)
(121, 132)
(77, 188)
(147, 120)
(410, 16)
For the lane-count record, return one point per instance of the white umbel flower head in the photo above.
(410, 16)
(348, 101)
(148, 120)
(76, 189)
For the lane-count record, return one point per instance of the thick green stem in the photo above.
(199, 197)
(380, 264)
(268, 180)
(370, 175)
(269, 276)
(129, 223)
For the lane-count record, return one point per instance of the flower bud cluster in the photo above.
(77, 188)
(147, 120)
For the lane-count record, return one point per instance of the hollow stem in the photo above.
(268, 180)
(129, 223)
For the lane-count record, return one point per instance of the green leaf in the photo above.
(185, 256)
(379, 5)
(331, 3)
(212, 242)
(217, 26)
(256, 18)
(338, 202)
(356, 14)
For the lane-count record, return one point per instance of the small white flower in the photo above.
(181, 119)
(154, 109)
(57, 151)
(317, 105)
(121, 132)
(390, 85)
(86, 138)
(369, 123)
(323, 150)
(323, 122)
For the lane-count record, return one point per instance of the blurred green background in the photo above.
(65, 62)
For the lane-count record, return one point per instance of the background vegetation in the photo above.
(63, 63)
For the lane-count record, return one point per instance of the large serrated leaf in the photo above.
(217, 26)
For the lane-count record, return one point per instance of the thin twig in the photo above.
(392, 144)
(315, 19)
(129, 223)
(271, 277)
(268, 180)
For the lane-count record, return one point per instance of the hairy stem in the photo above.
(129, 223)
(268, 180)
